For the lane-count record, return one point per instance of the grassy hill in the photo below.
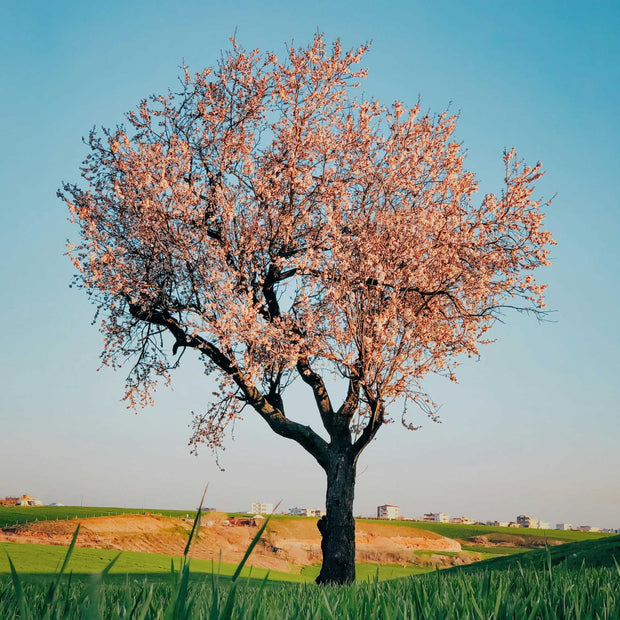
(603, 552)
(15, 515)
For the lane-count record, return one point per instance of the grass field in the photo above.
(38, 560)
(33, 560)
(494, 550)
(573, 581)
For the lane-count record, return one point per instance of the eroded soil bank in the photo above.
(287, 544)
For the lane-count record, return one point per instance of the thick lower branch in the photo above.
(274, 416)
(315, 381)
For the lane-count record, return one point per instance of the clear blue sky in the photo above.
(533, 427)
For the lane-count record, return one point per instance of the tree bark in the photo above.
(338, 527)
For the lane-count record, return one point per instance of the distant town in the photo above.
(385, 511)
(392, 512)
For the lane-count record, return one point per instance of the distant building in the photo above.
(388, 511)
(543, 525)
(318, 512)
(525, 521)
(261, 508)
(9, 501)
(437, 517)
(24, 500)
(307, 512)
(298, 512)
(462, 520)
(498, 523)
(563, 526)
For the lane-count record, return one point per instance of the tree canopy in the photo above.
(267, 218)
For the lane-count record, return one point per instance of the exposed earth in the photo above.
(287, 544)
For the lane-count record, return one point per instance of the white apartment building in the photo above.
(261, 508)
(388, 511)
(437, 517)
(307, 512)
(525, 521)
(563, 526)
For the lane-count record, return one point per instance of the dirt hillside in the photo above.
(287, 544)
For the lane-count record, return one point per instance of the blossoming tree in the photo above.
(282, 229)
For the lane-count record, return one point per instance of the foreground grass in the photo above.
(517, 592)
(577, 580)
(544, 584)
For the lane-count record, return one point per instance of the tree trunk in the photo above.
(338, 527)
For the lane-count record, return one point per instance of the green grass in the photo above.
(39, 560)
(531, 592)
(576, 580)
(604, 552)
(35, 559)
(10, 515)
(368, 571)
(500, 550)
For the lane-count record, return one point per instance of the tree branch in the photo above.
(274, 416)
(321, 397)
(377, 418)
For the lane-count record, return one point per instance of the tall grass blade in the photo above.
(259, 597)
(140, 614)
(108, 568)
(230, 603)
(196, 525)
(255, 540)
(19, 591)
(69, 553)
(52, 593)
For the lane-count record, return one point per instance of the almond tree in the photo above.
(282, 228)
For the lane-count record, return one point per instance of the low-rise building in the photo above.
(526, 521)
(24, 500)
(462, 520)
(437, 517)
(307, 512)
(261, 508)
(388, 511)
